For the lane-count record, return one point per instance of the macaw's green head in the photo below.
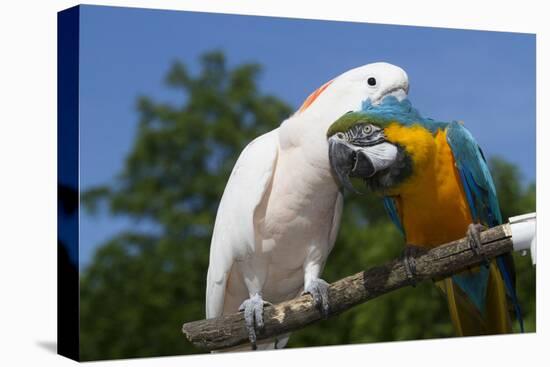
(389, 145)
(359, 147)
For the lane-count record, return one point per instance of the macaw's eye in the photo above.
(371, 81)
(367, 129)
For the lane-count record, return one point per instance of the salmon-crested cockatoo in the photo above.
(280, 212)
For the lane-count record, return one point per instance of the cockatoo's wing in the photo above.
(233, 236)
(338, 208)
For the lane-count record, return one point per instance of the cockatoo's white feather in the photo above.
(233, 238)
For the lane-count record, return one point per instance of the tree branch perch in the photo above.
(229, 330)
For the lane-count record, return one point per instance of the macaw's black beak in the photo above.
(348, 161)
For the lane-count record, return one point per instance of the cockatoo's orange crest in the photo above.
(313, 96)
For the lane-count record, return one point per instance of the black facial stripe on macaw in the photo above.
(364, 135)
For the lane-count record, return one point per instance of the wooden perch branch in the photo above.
(229, 330)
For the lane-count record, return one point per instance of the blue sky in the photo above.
(486, 79)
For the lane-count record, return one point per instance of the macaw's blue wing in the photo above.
(391, 209)
(476, 177)
(482, 199)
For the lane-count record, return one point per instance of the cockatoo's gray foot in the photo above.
(409, 254)
(253, 316)
(318, 289)
(474, 239)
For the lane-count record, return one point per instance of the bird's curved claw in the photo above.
(318, 289)
(474, 239)
(254, 316)
(409, 261)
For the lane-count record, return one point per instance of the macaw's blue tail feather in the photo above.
(474, 284)
(510, 289)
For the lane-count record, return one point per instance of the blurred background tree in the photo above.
(140, 287)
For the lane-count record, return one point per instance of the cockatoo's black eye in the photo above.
(371, 81)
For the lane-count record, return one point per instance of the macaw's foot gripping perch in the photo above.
(254, 316)
(408, 256)
(474, 239)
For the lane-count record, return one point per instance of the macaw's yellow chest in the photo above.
(432, 203)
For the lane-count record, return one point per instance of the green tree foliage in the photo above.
(140, 287)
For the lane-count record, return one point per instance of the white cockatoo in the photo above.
(280, 212)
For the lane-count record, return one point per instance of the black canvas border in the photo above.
(68, 43)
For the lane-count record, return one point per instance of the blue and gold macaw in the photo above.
(437, 188)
